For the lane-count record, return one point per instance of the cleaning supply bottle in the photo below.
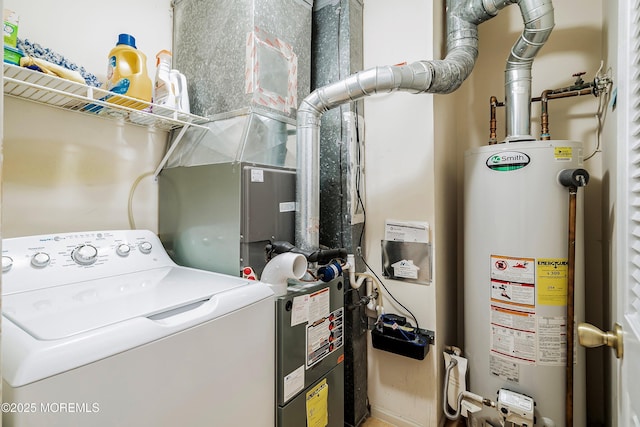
(163, 91)
(11, 20)
(179, 85)
(127, 74)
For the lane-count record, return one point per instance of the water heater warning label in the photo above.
(552, 339)
(503, 369)
(513, 343)
(513, 282)
(563, 153)
(528, 297)
(513, 309)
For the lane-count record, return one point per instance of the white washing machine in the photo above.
(104, 329)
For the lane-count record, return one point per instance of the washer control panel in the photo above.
(36, 262)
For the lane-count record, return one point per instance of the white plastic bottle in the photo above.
(163, 91)
(179, 85)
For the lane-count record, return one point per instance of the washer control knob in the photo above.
(85, 254)
(7, 263)
(40, 259)
(145, 247)
(123, 250)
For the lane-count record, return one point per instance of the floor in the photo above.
(374, 422)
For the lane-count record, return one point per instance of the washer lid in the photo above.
(63, 311)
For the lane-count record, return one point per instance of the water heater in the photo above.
(516, 222)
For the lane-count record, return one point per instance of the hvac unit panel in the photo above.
(220, 217)
(294, 413)
(310, 354)
(268, 204)
(291, 340)
(199, 221)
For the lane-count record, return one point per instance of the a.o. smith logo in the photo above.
(508, 161)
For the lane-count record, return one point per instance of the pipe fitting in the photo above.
(494, 6)
(281, 268)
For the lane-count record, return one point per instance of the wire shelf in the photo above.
(38, 87)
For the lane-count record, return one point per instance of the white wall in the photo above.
(400, 182)
(71, 172)
(84, 32)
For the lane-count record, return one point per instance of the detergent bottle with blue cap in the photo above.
(127, 74)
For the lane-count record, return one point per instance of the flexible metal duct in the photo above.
(431, 76)
(539, 21)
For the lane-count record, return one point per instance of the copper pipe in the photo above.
(544, 118)
(547, 95)
(559, 95)
(555, 94)
(570, 306)
(571, 179)
(492, 121)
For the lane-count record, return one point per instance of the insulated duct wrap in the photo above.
(431, 76)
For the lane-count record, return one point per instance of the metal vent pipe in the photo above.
(539, 21)
(430, 76)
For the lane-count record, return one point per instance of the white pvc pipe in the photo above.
(282, 268)
(351, 267)
(369, 287)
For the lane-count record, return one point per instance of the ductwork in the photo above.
(539, 21)
(430, 76)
